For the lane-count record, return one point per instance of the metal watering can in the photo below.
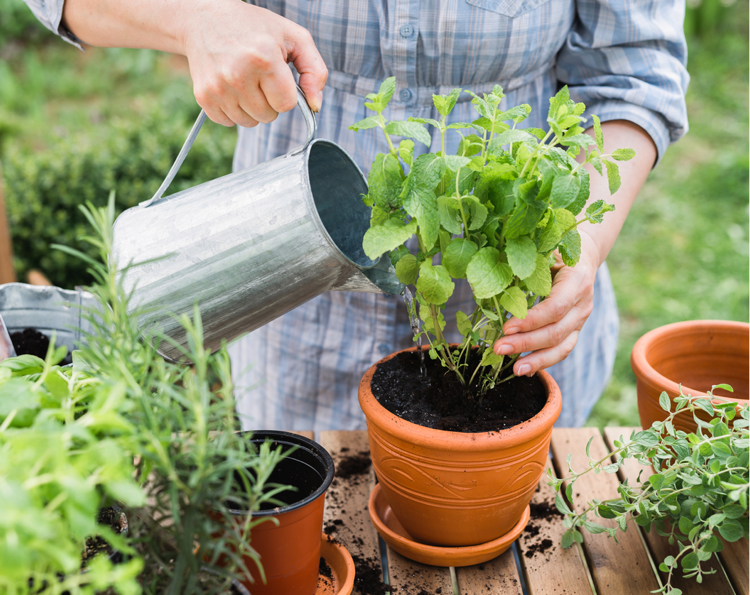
(250, 246)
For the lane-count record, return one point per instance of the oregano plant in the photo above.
(495, 213)
(697, 493)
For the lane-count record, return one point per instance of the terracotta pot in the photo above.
(290, 551)
(454, 488)
(697, 354)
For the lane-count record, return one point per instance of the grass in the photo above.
(683, 253)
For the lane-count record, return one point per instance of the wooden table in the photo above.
(629, 567)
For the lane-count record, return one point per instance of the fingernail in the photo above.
(511, 331)
(504, 349)
(523, 369)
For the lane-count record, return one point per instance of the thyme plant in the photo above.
(697, 493)
(496, 213)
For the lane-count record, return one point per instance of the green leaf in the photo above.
(385, 180)
(570, 248)
(564, 190)
(389, 236)
(464, 323)
(457, 257)
(406, 269)
(490, 358)
(406, 151)
(527, 213)
(613, 176)
(487, 275)
(521, 253)
(540, 281)
(450, 216)
(456, 162)
(378, 216)
(477, 212)
(518, 113)
(561, 505)
(445, 103)
(595, 211)
(598, 133)
(434, 283)
(367, 123)
(510, 136)
(593, 528)
(664, 402)
(420, 200)
(623, 154)
(567, 539)
(584, 192)
(411, 130)
(514, 301)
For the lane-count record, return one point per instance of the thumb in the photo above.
(313, 73)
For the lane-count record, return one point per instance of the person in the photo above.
(625, 60)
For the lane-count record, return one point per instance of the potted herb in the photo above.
(697, 493)
(499, 213)
(694, 353)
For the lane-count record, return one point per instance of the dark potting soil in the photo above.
(541, 513)
(95, 545)
(30, 341)
(368, 579)
(353, 465)
(325, 570)
(439, 400)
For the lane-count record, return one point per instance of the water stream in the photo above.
(412, 310)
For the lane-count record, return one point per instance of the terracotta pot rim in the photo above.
(301, 442)
(480, 441)
(646, 373)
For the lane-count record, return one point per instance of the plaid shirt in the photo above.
(624, 59)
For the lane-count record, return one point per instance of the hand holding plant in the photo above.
(699, 490)
(495, 216)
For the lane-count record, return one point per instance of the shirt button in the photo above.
(405, 95)
(384, 348)
(407, 30)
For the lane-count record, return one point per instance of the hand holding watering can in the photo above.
(250, 246)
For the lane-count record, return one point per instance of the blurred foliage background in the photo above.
(74, 126)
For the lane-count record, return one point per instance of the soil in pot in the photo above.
(439, 401)
(30, 341)
(96, 545)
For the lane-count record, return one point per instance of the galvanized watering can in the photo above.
(250, 246)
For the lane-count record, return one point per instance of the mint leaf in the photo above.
(490, 358)
(385, 180)
(387, 237)
(477, 212)
(540, 281)
(570, 248)
(380, 100)
(623, 154)
(406, 269)
(420, 200)
(457, 256)
(434, 283)
(487, 275)
(406, 151)
(598, 133)
(518, 113)
(564, 191)
(369, 122)
(463, 322)
(378, 216)
(411, 130)
(510, 136)
(514, 301)
(521, 254)
(584, 191)
(445, 103)
(613, 176)
(455, 162)
(450, 217)
(486, 124)
(595, 211)
(664, 402)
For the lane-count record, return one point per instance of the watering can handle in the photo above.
(312, 130)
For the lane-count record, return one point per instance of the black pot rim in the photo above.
(301, 442)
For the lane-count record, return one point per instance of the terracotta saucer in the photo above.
(342, 569)
(399, 540)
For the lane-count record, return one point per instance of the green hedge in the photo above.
(43, 189)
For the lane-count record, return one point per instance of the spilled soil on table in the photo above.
(438, 400)
(535, 542)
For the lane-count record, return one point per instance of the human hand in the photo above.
(238, 56)
(550, 330)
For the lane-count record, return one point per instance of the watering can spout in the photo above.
(379, 278)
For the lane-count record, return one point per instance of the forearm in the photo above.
(619, 134)
(150, 24)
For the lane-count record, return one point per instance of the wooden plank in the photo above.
(306, 433)
(617, 568)
(7, 272)
(498, 577)
(735, 559)
(346, 518)
(713, 584)
(407, 576)
(549, 569)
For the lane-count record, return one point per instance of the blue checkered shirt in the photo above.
(625, 59)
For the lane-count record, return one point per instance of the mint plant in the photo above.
(699, 490)
(495, 213)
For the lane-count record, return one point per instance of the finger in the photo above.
(545, 337)
(544, 358)
(240, 116)
(279, 90)
(255, 104)
(313, 73)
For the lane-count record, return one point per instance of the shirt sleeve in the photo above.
(625, 60)
(49, 13)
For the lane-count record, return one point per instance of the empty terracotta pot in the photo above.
(697, 354)
(454, 488)
(290, 552)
